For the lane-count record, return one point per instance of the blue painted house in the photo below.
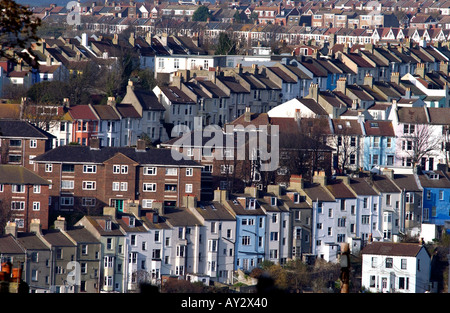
(250, 230)
(379, 144)
(436, 196)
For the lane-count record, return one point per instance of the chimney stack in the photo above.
(140, 145)
(220, 195)
(11, 229)
(247, 115)
(61, 223)
(35, 226)
(94, 143)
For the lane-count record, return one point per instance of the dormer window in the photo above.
(251, 204)
(132, 221)
(296, 198)
(273, 201)
(433, 176)
(108, 225)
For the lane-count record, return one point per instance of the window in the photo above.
(68, 168)
(170, 187)
(48, 168)
(33, 143)
(123, 186)
(149, 170)
(89, 185)
(389, 263)
(36, 188)
(15, 143)
(274, 236)
(226, 169)
(67, 184)
(376, 142)
(66, 201)
(149, 187)
(365, 219)
(409, 197)
(441, 195)
(189, 171)
(17, 205)
(147, 203)
(115, 186)
(88, 201)
(212, 245)
(36, 206)
(171, 171)
(245, 240)
(403, 264)
(388, 199)
(374, 262)
(176, 63)
(18, 188)
(403, 283)
(188, 188)
(89, 168)
(375, 159)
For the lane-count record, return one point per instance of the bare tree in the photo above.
(418, 141)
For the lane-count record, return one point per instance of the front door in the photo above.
(118, 204)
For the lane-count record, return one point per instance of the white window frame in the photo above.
(149, 187)
(89, 185)
(90, 169)
(36, 206)
(67, 184)
(150, 170)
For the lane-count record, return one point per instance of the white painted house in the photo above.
(395, 267)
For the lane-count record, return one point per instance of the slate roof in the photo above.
(441, 182)
(406, 182)
(30, 241)
(9, 245)
(148, 100)
(180, 217)
(106, 112)
(127, 110)
(23, 129)
(213, 210)
(16, 174)
(361, 187)
(56, 238)
(383, 184)
(82, 235)
(339, 189)
(175, 95)
(379, 128)
(84, 154)
(392, 249)
(317, 192)
(98, 222)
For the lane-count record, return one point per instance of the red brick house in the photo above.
(20, 142)
(24, 196)
(88, 178)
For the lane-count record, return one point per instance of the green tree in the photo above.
(18, 28)
(226, 45)
(48, 92)
(237, 17)
(201, 14)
